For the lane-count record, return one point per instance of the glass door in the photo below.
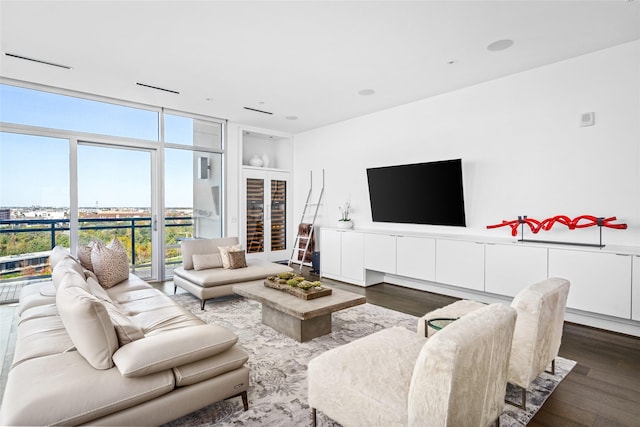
(266, 213)
(278, 215)
(115, 199)
(255, 215)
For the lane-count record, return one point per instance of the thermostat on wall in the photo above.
(588, 119)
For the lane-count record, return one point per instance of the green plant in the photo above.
(344, 212)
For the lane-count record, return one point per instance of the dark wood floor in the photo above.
(602, 390)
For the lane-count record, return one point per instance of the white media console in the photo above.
(605, 282)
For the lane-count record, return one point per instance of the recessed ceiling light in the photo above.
(452, 61)
(500, 45)
(366, 92)
(291, 117)
(208, 99)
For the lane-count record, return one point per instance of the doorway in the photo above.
(115, 194)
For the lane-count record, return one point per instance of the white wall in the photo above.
(522, 149)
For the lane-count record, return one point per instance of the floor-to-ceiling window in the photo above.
(34, 203)
(99, 165)
(192, 181)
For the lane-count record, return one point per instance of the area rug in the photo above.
(278, 364)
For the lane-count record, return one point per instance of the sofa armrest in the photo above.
(172, 348)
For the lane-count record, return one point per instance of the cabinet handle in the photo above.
(624, 254)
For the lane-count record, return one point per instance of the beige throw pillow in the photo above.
(57, 254)
(224, 253)
(87, 322)
(84, 255)
(110, 263)
(204, 261)
(126, 330)
(237, 259)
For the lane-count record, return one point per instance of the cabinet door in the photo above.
(460, 263)
(352, 258)
(511, 268)
(278, 215)
(266, 213)
(255, 215)
(380, 252)
(600, 282)
(635, 291)
(330, 252)
(416, 257)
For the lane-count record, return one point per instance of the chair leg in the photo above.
(497, 423)
(553, 367)
(245, 401)
(522, 405)
(202, 305)
(313, 417)
(175, 288)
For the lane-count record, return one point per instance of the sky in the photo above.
(34, 170)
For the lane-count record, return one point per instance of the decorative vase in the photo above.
(256, 161)
(345, 224)
(265, 160)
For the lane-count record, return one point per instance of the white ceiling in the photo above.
(305, 58)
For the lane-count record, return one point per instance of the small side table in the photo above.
(438, 323)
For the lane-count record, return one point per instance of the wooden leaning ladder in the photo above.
(299, 248)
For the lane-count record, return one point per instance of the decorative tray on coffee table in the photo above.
(297, 286)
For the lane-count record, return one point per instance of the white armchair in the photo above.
(538, 331)
(397, 378)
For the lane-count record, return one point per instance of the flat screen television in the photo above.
(420, 193)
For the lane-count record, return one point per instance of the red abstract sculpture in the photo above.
(582, 221)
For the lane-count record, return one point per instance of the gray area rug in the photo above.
(278, 364)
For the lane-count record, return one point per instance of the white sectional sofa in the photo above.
(125, 355)
(210, 279)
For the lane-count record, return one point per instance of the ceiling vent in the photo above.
(158, 88)
(257, 111)
(39, 61)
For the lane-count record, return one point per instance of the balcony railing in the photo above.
(32, 263)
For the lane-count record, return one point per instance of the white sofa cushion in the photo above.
(57, 253)
(205, 261)
(62, 389)
(65, 265)
(172, 348)
(218, 364)
(87, 322)
(255, 270)
(110, 262)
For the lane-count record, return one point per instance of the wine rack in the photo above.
(278, 215)
(255, 215)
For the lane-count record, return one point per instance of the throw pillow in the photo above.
(96, 290)
(224, 253)
(126, 330)
(84, 255)
(204, 261)
(88, 324)
(237, 259)
(110, 263)
(57, 254)
(67, 265)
